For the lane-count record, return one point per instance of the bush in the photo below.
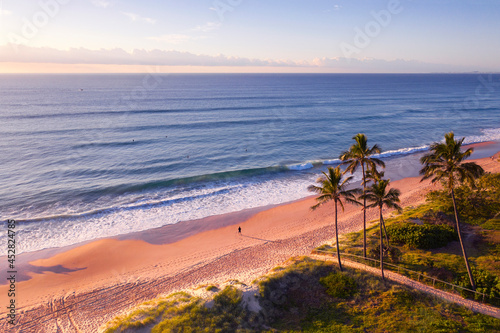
(339, 285)
(486, 282)
(392, 254)
(425, 236)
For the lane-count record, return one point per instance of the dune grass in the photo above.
(307, 296)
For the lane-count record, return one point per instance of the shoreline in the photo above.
(398, 167)
(156, 257)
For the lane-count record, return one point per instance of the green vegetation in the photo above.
(212, 288)
(423, 240)
(308, 296)
(147, 313)
(184, 313)
(426, 236)
(475, 206)
(339, 285)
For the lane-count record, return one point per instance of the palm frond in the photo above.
(444, 162)
(332, 186)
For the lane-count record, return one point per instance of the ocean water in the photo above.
(90, 156)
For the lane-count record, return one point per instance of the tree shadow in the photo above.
(22, 271)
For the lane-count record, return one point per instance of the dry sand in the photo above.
(79, 289)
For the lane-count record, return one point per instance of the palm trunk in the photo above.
(337, 237)
(364, 210)
(385, 231)
(381, 247)
(471, 278)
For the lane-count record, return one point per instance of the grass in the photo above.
(182, 312)
(307, 296)
(370, 306)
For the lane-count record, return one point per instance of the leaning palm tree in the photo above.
(445, 163)
(359, 155)
(332, 187)
(379, 196)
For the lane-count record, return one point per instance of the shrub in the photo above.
(425, 236)
(339, 285)
(392, 254)
(486, 282)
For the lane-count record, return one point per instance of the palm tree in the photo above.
(445, 163)
(359, 155)
(379, 197)
(332, 187)
(372, 175)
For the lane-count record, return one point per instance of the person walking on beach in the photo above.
(239, 230)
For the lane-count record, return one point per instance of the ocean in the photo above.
(91, 156)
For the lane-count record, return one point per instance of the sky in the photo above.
(303, 36)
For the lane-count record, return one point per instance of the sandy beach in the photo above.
(77, 289)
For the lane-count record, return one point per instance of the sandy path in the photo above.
(104, 278)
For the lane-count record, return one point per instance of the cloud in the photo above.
(27, 54)
(101, 3)
(173, 38)
(137, 18)
(209, 26)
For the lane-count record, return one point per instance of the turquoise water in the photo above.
(88, 156)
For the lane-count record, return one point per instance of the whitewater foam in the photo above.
(491, 134)
(191, 205)
(303, 166)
